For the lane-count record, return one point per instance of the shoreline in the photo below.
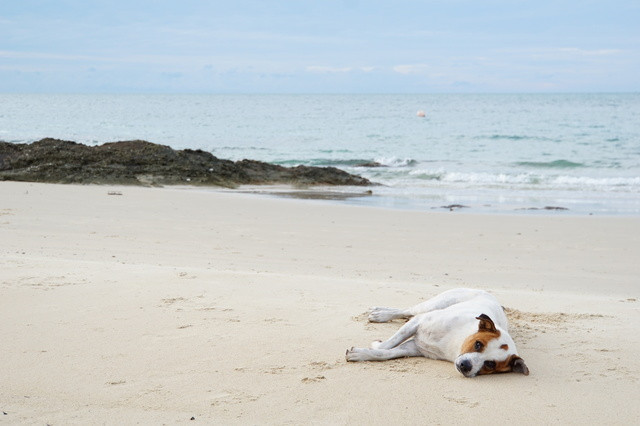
(155, 305)
(142, 163)
(371, 198)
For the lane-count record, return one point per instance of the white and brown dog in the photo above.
(465, 326)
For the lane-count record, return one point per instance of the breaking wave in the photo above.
(524, 180)
(396, 162)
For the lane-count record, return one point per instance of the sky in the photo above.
(320, 46)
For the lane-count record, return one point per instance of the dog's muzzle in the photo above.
(464, 366)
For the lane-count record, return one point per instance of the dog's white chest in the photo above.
(441, 335)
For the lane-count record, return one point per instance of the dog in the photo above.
(465, 326)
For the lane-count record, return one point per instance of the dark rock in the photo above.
(139, 162)
(370, 164)
(544, 208)
(451, 207)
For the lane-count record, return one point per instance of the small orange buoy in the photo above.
(420, 113)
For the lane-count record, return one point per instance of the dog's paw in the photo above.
(381, 314)
(355, 355)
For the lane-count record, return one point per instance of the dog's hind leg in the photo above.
(407, 349)
(387, 314)
(441, 301)
(444, 300)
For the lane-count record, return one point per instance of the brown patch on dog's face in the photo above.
(504, 347)
(492, 367)
(478, 342)
(513, 363)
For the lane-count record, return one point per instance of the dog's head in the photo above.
(489, 351)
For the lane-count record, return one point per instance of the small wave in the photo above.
(475, 178)
(490, 178)
(240, 148)
(396, 162)
(324, 162)
(331, 151)
(427, 175)
(516, 138)
(591, 182)
(509, 137)
(556, 164)
(391, 162)
(608, 164)
(525, 180)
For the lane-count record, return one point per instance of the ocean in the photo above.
(494, 153)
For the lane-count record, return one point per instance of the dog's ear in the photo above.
(518, 366)
(486, 324)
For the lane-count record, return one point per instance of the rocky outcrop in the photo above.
(370, 164)
(144, 163)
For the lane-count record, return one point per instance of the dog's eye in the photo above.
(490, 365)
(478, 346)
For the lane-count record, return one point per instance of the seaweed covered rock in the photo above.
(140, 162)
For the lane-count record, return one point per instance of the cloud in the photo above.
(585, 52)
(564, 53)
(38, 55)
(172, 61)
(172, 75)
(411, 69)
(85, 58)
(325, 70)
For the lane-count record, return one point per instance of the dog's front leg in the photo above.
(408, 348)
(390, 348)
(404, 333)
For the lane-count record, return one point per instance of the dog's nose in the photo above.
(465, 366)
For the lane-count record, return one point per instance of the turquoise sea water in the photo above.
(490, 152)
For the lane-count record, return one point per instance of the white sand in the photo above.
(159, 305)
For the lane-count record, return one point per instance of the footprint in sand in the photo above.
(462, 401)
(233, 397)
(186, 276)
(172, 300)
(313, 379)
(50, 283)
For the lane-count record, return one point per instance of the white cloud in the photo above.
(38, 55)
(321, 69)
(564, 53)
(411, 69)
(85, 58)
(324, 69)
(585, 52)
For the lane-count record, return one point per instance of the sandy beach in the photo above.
(129, 305)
